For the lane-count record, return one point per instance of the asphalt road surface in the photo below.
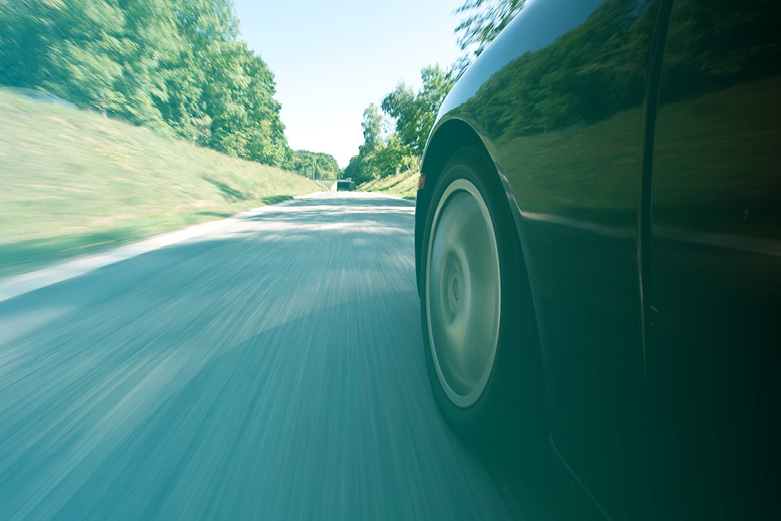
(271, 368)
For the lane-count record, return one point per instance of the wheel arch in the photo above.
(448, 137)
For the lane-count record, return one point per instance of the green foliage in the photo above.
(412, 115)
(372, 126)
(361, 168)
(415, 114)
(174, 65)
(365, 165)
(484, 20)
(393, 157)
(325, 166)
(382, 159)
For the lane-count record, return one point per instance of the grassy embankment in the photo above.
(74, 182)
(403, 184)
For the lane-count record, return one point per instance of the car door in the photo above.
(713, 277)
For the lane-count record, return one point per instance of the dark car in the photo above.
(598, 248)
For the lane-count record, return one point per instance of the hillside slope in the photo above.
(403, 184)
(74, 181)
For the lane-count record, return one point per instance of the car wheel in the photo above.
(478, 329)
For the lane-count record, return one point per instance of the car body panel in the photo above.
(713, 307)
(611, 224)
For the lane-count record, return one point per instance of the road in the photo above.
(271, 368)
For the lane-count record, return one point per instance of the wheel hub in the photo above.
(455, 289)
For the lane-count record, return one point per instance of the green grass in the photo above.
(75, 182)
(325, 184)
(403, 184)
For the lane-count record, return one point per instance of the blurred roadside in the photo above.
(74, 182)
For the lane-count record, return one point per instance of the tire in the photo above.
(479, 333)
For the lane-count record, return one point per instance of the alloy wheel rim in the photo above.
(463, 293)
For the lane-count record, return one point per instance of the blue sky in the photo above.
(332, 58)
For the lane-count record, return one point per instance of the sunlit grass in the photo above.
(403, 184)
(75, 182)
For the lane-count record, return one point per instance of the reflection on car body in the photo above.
(627, 154)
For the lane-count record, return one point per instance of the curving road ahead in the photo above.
(269, 368)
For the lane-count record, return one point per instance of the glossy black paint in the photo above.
(713, 305)
(639, 143)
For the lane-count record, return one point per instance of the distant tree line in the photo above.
(177, 66)
(324, 165)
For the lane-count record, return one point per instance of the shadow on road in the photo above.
(273, 367)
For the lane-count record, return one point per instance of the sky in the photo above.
(331, 59)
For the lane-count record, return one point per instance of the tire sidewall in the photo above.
(496, 403)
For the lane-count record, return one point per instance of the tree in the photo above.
(401, 105)
(413, 117)
(361, 167)
(414, 114)
(484, 20)
(325, 165)
(372, 126)
(177, 66)
(393, 157)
